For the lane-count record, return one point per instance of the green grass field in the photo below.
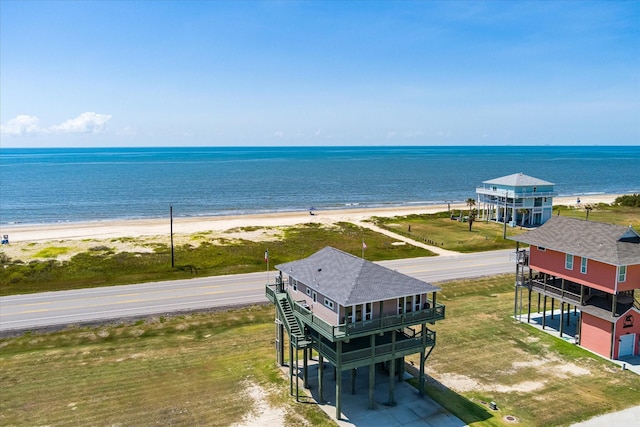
(196, 370)
(199, 369)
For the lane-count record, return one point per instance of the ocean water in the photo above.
(89, 184)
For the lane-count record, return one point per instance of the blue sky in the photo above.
(127, 73)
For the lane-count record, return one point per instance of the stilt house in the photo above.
(595, 268)
(518, 199)
(353, 313)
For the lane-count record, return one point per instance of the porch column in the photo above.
(338, 380)
(353, 380)
(614, 303)
(392, 370)
(561, 318)
(581, 294)
(422, 360)
(279, 341)
(372, 373)
(321, 377)
(553, 303)
(305, 368)
(568, 314)
(529, 308)
(290, 368)
(544, 312)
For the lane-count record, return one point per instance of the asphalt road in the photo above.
(49, 309)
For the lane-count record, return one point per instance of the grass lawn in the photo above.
(485, 356)
(199, 370)
(439, 230)
(195, 370)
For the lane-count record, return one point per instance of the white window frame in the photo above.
(622, 273)
(294, 285)
(315, 296)
(583, 265)
(329, 303)
(568, 261)
(308, 291)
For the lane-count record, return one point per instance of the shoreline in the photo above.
(109, 229)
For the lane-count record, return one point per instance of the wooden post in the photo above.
(392, 370)
(422, 361)
(372, 373)
(321, 377)
(544, 312)
(353, 380)
(561, 318)
(553, 303)
(568, 314)
(290, 367)
(338, 380)
(305, 368)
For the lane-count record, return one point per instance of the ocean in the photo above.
(56, 185)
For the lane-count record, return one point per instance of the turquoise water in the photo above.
(69, 185)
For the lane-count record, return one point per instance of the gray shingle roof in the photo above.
(608, 243)
(350, 280)
(517, 180)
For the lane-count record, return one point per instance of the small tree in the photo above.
(471, 203)
(523, 213)
(472, 217)
(588, 208)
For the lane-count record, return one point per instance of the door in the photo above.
(626, 345)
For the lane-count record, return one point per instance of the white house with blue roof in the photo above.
(518, 199)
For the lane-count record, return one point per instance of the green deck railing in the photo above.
(351, 330)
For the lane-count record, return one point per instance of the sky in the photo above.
(296, 73)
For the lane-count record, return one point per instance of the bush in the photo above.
(631, 200)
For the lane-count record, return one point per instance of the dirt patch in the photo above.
(262, 413)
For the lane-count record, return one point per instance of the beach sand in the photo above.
(28, 239)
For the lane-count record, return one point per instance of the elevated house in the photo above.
(353, 313)
(518, 199)
(591, 266)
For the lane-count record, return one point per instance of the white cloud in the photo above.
(22, 125)
(85, 123)
(278, 134)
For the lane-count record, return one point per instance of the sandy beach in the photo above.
(191, 225)
(137, 235)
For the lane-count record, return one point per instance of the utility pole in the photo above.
(171, 230)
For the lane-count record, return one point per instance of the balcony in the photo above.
(358, 352)
(352, 330)
(589, 300)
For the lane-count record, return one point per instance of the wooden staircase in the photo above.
(291, 323)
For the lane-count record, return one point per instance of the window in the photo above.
(622, 273)
(568, 262)
(308, 291)
(295, 285)
(542, 249)
(583, 265)
(367, 311)
(328, 303)
(315, 297)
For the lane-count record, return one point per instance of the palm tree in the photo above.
(471, 203)
(523, 213)
(588, 208)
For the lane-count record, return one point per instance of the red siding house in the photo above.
(595, 268)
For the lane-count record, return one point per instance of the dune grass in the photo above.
(104, 267)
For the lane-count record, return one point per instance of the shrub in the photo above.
(631, 200)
